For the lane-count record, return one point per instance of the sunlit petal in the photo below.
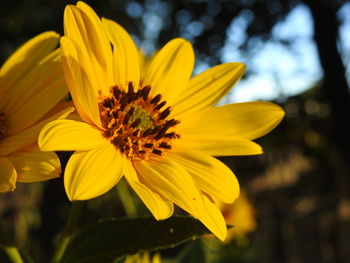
(207, 88)
(92, 173)
(70, 135)
(248, 120)
(219, 146)
(171, 69)
(84, 28)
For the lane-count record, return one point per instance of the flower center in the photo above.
(135, 123)
(2, 125)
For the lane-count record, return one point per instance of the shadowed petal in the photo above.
(8, 176)
(213, 219)
(126, 61)
(172, 181)
(47, 88)
(30, 135)
(34, 165)
(160, 208)
(23, 60)
(212, 176)
(80, 83)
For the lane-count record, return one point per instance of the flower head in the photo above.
(158, 128)
(31, 87)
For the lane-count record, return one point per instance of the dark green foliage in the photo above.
(107, 240)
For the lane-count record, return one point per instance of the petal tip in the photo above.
(222, 235)
(68, 8)
(278, 112)
(51, 34)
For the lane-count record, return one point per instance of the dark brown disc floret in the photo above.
(136, 123)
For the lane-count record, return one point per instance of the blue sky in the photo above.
(344, 35)
(278, 71)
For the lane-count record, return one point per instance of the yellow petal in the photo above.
(207, 88)
(8, 176)
(33, 165)
(84, 92)
(212, 176)
(23, 60)
(84, 28)
(212, 218)
(171, 69)
(70, 135)
(126, 62)
(96, 38)
(144, 62)
(35, 94)
(248, 120)
(241, 214)
(218, 145)
(30, 135)
(160, 208)
(65, 109)
(172, 181)
(92, 173)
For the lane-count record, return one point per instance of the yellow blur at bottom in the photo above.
(143, 257)
(241, 215)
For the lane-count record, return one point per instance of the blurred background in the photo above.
(297, 55)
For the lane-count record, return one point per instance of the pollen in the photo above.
(2, 125)
(136, 123)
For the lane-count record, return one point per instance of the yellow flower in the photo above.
(158, 130)
(241, 215)
(31, 86)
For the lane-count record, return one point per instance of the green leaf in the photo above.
(8, 254)
(193, 252)
(107, 240)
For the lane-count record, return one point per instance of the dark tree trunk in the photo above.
(336, 91)
(335, 87)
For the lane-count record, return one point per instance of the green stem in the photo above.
(67, 231)
(8, 247)
(126, 199)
